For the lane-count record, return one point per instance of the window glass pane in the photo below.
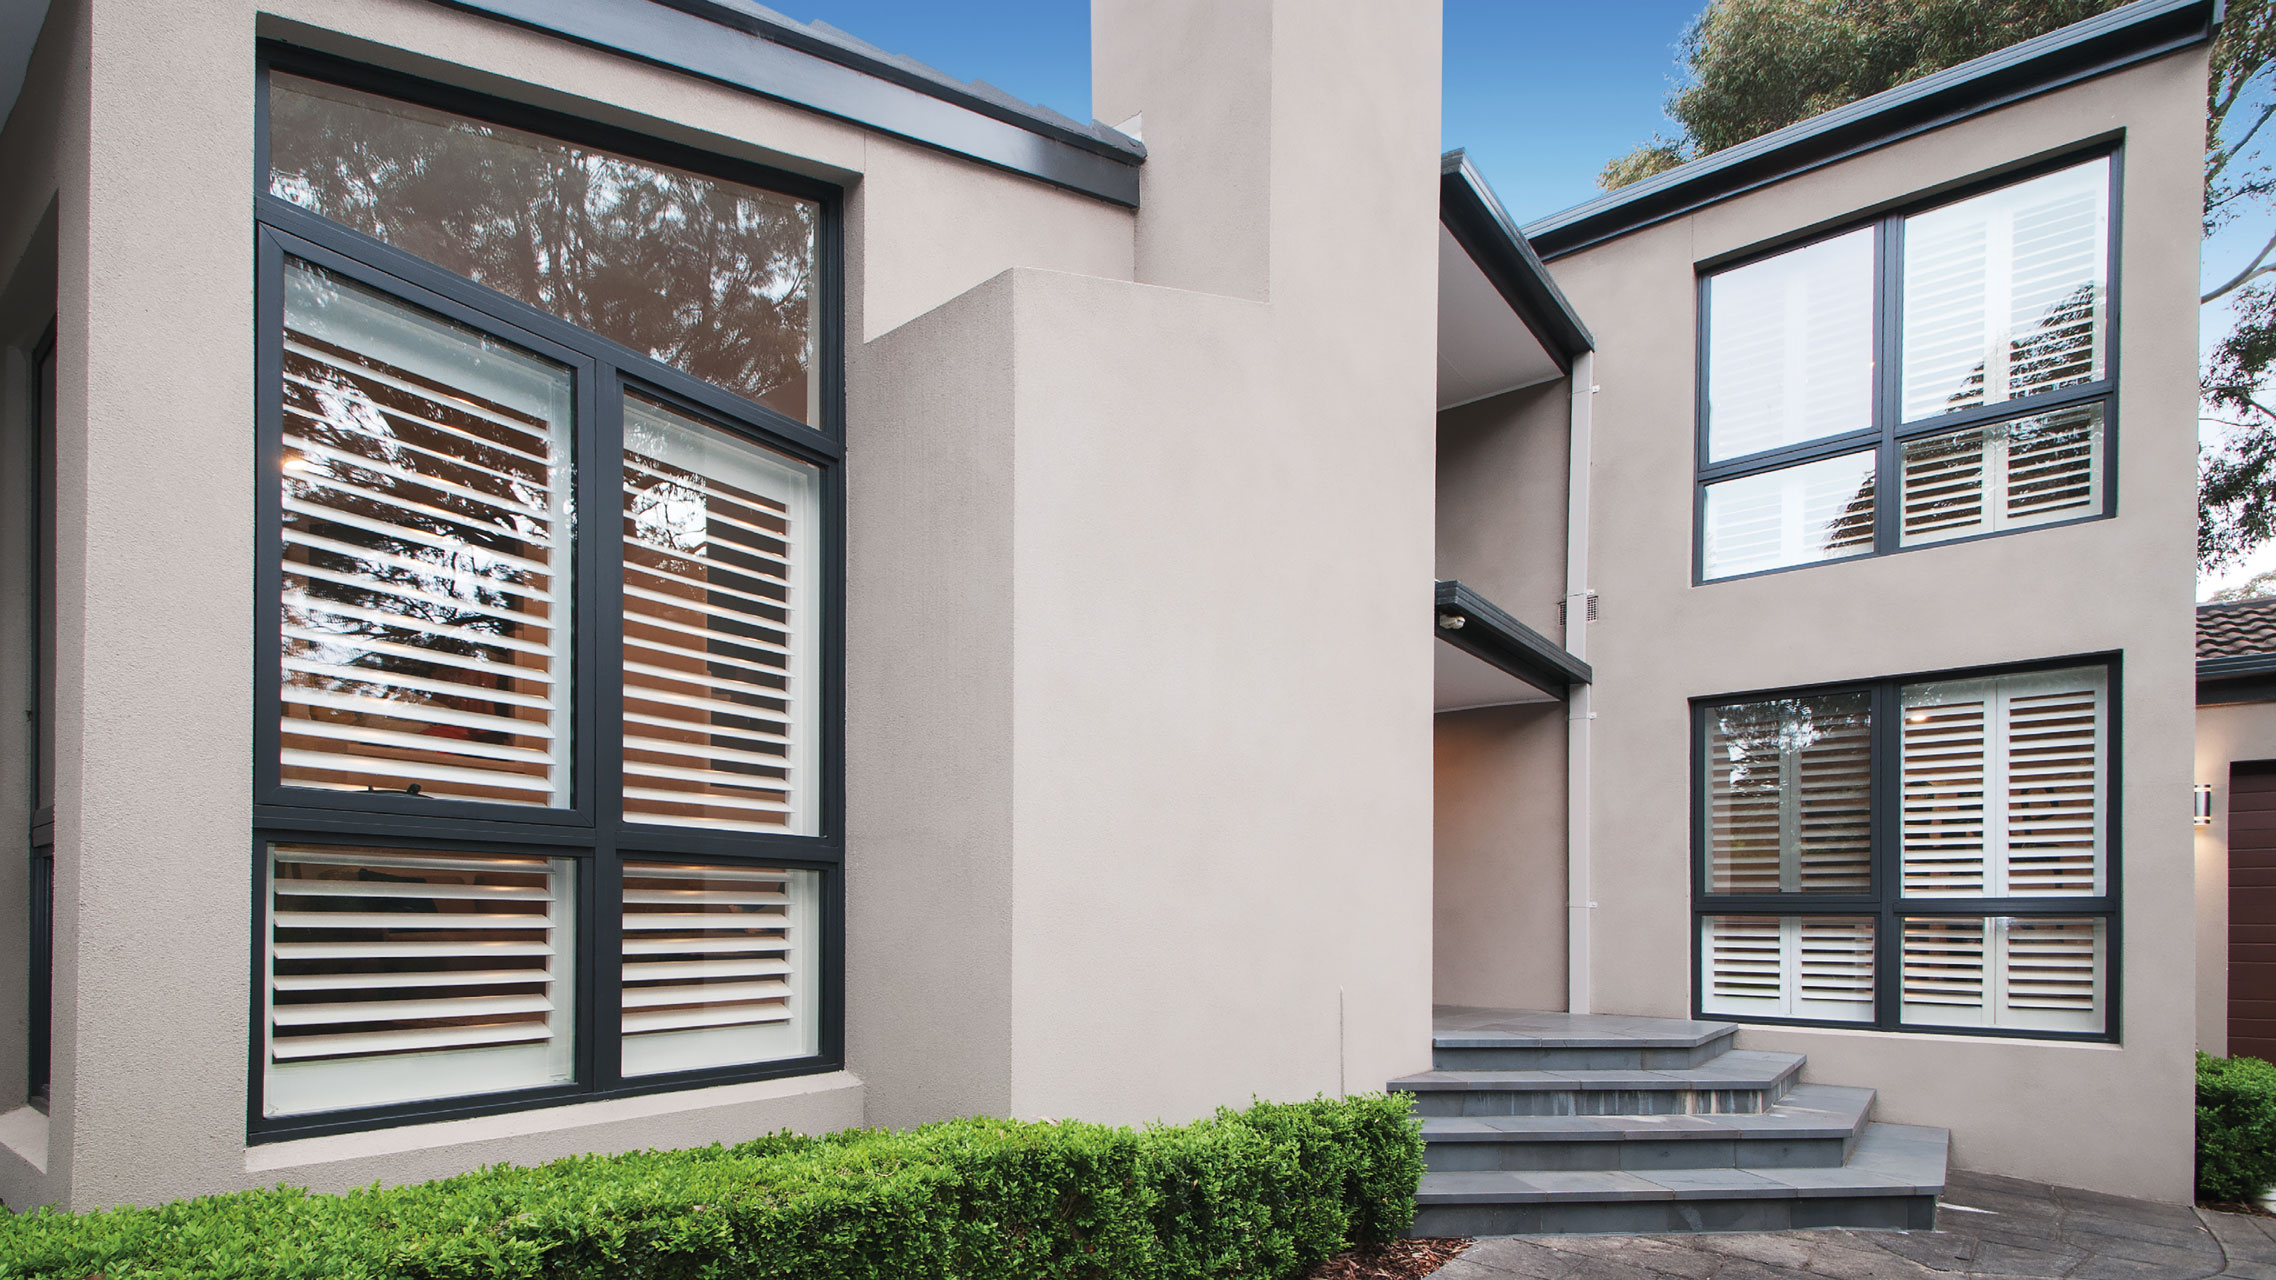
(714, 277)
(1815, 967)
(2023, 972)
(2003, 785)
(1819, 510)
(1790, 347)
(400, 977)
(722, 547)
(2003, 475)
(721, 966)
(426, 553)
(2005, 294)
(1789, 795)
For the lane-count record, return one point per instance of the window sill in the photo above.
(299, 1153)
(24, 1131)
(2001, 1036)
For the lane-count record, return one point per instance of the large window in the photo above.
(1932, 854)
(547, 761)
(1936, 375)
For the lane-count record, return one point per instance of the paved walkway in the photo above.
(1988, 1227)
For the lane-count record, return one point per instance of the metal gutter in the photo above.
(2123, 37)
(1475, 216)
(745, 46)
(2243, 664)
(1477, 626)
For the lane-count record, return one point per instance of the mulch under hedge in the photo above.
(1392, 1260)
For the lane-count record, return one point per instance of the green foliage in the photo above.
(1654, 157)
(1759, 65)
(1264, 1192)
(2236, 1128)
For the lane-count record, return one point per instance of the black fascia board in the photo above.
(2236, 690)
(2130, 34)
(2242, 664)
(746, 47)
(1478, 222)
(1489, 634)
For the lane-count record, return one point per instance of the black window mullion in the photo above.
(1888, 851)
(1888, 353)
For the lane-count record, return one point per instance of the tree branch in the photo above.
(2231, 152)
(2255, 268)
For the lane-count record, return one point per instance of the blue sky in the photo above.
(1540, 94)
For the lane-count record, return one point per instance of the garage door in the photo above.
(2252, 908)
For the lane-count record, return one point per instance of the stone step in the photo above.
(1892, 1178)
(1813, 1126)
(1500, 1040)
(1735, 1082)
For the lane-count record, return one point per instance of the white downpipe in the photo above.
(1580, 900)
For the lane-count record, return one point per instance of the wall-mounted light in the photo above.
(2204, 804)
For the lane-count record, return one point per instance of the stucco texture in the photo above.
(1139, 559)
(2118, 585)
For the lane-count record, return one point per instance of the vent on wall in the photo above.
(1564, 604)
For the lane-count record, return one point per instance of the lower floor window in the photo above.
(1929, 853)
(397, 977)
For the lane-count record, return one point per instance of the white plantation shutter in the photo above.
(2004, 475)
(720, 966)
(2003, 785)
(2005, 294)
(397, 977)
(1820, 510)
(722, 544)
(1789, 796)
(1790, 347)
(426, 541)
(1815, 967)
(2020, 972)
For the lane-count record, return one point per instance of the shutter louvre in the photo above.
(719, 549)
(2003, 781)
(1818, 968)
(425, 575)
(1802, 514)
(2003, 475)
(390, 971)
(2006, 293)
(1790, 347)
(719, 966)
(1789, 795)
(2026, 973)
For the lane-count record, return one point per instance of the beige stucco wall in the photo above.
(1498, 923)
(2225, 735)
(1498, 837)
(29, 147)
(2124, 584)
(1139, 772)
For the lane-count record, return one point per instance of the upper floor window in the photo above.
(1934, 375)
(547, 785)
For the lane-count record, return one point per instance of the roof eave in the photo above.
(2120, 38)
(745, 47)
(1474, 215)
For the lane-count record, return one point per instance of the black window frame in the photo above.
(39, 987)
(1889, 431)
(591, 832)
(1884, 901)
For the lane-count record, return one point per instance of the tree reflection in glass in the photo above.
(712, 277)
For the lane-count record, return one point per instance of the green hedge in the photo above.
(1264, 1192)
(2236, 1128)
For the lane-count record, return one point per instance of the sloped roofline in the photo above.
(815, 66)
(1474, 215)
(2124, 36)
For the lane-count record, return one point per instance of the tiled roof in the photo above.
(2236, 630)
